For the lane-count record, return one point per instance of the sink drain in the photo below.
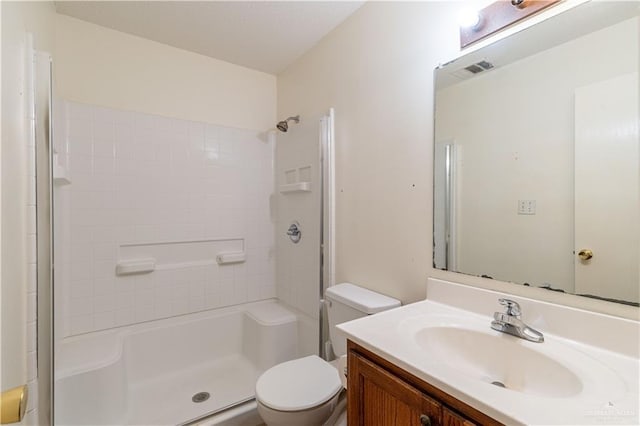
(200, 397)
(499, 384)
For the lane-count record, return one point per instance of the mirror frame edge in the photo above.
(541, 294)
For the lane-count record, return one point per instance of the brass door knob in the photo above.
(585, 254)
(13, 404)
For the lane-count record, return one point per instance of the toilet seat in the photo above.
(298, 385)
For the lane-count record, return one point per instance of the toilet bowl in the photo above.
(306, 391)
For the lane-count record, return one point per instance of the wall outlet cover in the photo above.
(527, 207)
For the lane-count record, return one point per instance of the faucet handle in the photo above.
(513, 308)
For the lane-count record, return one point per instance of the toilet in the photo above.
(306, 391)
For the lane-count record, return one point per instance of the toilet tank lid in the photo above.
(362, 299)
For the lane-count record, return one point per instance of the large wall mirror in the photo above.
(536, 174)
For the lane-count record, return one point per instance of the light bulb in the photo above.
(469, 18)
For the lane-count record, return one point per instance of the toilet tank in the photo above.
(346, 302)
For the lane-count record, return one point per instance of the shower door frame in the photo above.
(327, 225)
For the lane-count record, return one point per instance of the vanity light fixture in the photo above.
(496, 17)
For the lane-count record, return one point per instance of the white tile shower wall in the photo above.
(146, 179)
(298, 265)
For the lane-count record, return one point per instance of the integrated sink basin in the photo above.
(469, 350)
(499, 359)
(584, 372)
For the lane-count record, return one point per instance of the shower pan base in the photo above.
(168, 399)
(149, 373)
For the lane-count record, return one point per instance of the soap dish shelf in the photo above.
(295, 187)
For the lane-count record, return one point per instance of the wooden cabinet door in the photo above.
(449, 418)
(378, 398)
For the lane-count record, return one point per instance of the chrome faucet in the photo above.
(509, 322)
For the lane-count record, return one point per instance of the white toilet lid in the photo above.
(298, 385)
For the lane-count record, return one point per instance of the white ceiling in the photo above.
(263, 35)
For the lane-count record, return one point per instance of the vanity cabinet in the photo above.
(382, 394)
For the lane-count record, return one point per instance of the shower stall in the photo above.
(176, 283)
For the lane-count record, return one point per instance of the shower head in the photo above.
(283, 125)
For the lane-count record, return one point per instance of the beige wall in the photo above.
(99, 66)
(18, 18)
(376, 70)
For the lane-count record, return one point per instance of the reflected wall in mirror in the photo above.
(536, 174)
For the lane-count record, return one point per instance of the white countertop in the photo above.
(609, 379)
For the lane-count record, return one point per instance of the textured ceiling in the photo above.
(263, 35)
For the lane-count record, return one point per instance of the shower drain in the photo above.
(200, 397)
